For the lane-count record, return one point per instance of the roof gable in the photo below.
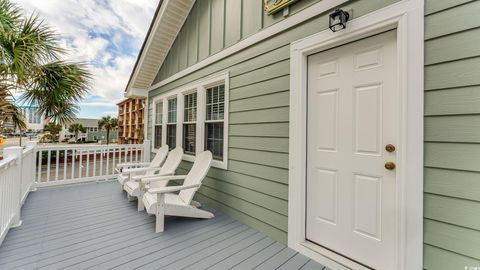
(166, 24)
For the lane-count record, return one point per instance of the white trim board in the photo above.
(281, 26)
(407, 18)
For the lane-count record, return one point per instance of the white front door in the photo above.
(353, 114)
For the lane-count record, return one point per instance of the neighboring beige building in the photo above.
(130, 121)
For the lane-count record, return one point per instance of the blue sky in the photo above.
(106, 34)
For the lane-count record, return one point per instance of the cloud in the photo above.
(107, 35)
(110, 113)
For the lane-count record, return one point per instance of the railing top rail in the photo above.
(89, 147)
(6, 162)
(28, 150)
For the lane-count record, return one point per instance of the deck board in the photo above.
(93, 226)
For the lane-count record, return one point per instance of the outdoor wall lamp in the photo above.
(338, 20)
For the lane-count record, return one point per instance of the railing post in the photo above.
(146, 150)
(16, 152)
(34, 145)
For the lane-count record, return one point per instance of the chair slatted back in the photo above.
(171, 163)
(157, 161)
(196, 175)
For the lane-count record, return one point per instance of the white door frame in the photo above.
(407, 18)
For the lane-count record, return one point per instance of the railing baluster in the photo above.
(57, 164)
(48, 164)
(108, 160)
(114, 158)
(39, 174)
(73, 163)
(65, 161)
(80, 164)
(101, 161)
(94, 162)
(88, 164)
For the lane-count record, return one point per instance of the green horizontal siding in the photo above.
(464, 100)
(452, 135)
(466, 185)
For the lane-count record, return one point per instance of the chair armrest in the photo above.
(162, 178)
(137, 178)
(172, 189)
(147, 169)
(132, 164)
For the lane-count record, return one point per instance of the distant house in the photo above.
(93, 132)
(34, 119)
(341, 128)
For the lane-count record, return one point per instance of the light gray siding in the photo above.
(254, 189)
(452, 150)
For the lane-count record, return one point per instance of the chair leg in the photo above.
(140, 206)
(160, 214)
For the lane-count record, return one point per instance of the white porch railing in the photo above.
(24, 169)
(16, 180)
(66, 164)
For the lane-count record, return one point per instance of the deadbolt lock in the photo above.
(390, 148)
(390, 165)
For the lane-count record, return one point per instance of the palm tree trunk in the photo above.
(20, 139)
(108, 136)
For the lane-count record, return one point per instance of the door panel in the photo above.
(353, 112)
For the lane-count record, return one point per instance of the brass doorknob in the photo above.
(389, 165)
(390, 148)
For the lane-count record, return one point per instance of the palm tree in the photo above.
(108, 123)
(76, 128)
(54, 129)
(31, 61)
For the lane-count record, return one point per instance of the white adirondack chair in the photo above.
(126, 170)
(163, 201)
(135, 188)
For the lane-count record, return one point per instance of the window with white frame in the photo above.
(157, 135)
(214, 120)
(172, 123)
(190, 123)
(196, 118)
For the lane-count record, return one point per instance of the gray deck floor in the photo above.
(93, 226)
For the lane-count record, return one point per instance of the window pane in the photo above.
(190, 108)
(171, 136)
(214, 139)
(189, 138)
(158, 113)
(172, 110)
(158, 136)
(215, 103)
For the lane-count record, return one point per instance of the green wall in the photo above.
(254, 189)
(452, 134)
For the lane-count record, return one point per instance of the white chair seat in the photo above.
(150, 201)
(132, 188)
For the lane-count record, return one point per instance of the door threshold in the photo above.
(319, 253)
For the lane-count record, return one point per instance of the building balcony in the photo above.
(48, 221)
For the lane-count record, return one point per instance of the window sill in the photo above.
(215, 163)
